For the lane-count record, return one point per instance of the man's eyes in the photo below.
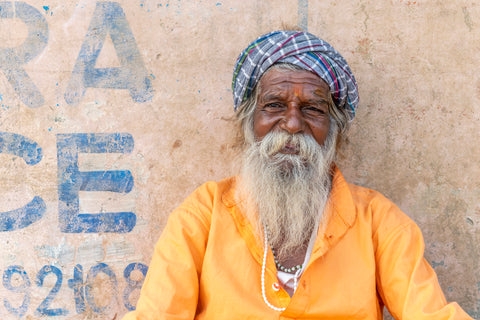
(274, 105)
(308, 109)
(314, 110)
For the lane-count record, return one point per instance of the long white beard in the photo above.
(286, 192)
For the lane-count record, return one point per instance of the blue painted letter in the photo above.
(12, 59)
(109, 18)
(29, 150)
(71, 181)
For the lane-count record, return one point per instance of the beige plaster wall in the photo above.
(414, 138)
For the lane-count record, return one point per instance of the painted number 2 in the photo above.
(43, 307)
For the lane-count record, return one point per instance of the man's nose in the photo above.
(292, 121)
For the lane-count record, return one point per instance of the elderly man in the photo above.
(289, 237)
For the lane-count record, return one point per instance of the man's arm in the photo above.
(406, 282)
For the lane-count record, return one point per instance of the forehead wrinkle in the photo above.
(299, 94)
(319, 93)
(273, 94)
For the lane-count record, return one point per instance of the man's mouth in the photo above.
(289, 149)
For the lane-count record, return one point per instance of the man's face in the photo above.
(286, 172)
(293, 101)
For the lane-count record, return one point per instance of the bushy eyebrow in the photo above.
(271, 96)
(318, 101)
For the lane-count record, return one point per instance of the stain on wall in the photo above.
(111, 112)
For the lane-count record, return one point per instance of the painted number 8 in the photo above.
(132, 282)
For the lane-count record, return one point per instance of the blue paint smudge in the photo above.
(438, 264)
(46, 8)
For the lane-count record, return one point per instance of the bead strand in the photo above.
(284, 269)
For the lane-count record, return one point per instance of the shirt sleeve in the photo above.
(170, 290)
(406, 282)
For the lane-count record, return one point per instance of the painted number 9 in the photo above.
(16, 279)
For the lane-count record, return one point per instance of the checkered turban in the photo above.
(304, 50)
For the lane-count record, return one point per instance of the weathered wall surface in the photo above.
(112, 112)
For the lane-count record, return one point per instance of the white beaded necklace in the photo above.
(265, 250)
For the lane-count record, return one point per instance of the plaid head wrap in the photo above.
(304, 50)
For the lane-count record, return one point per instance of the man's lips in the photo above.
(289, 149)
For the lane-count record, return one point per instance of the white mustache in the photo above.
(301, 145)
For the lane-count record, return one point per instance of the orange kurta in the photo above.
(207, 264)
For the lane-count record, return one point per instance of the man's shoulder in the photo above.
(366, 194)
(217, 188)
(377, 206)
(360, 195)
(211, 193)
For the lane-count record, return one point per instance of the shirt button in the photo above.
(275, 286)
